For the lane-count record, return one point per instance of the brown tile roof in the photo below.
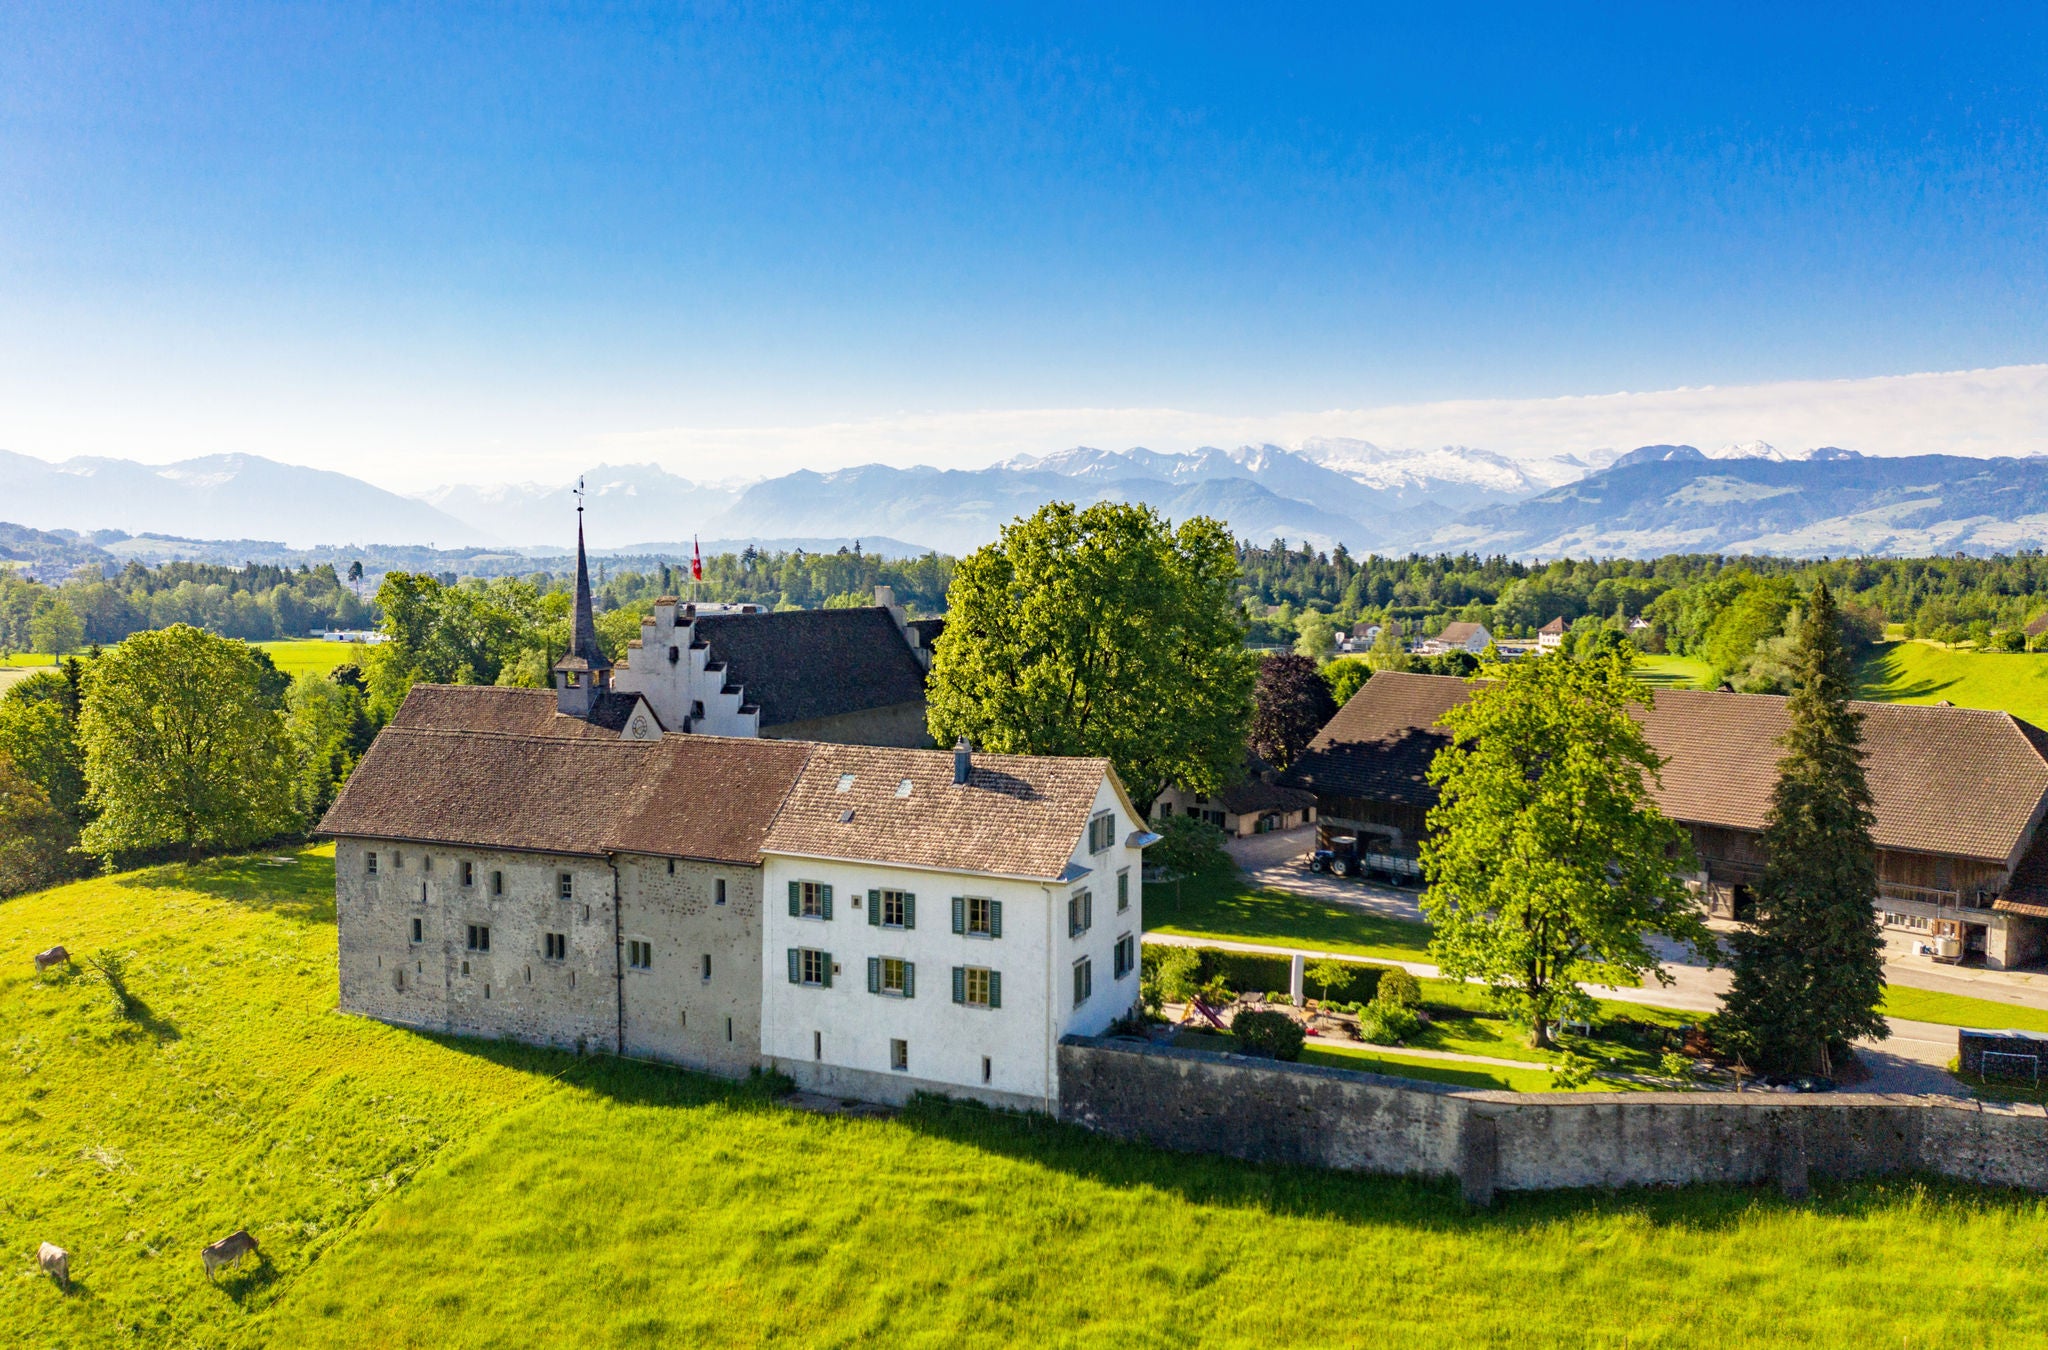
(2038, 626)
(682, 796)
(1556, 625)
(1459, 633)
(1956, 781)
(1017, 815)
(479, 707)
(1253, 795)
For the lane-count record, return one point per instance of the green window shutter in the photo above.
(1088, 910)
(796, 966)
(825, 901)
(959, 913)
(826, 958)
(959, 984)
(874, 909)
(874, 974)
(909, 910)
(995, 918)
(796, 898)
(995, 989)
(909, 980)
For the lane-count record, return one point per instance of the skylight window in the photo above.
(845, 782)
(903, 788)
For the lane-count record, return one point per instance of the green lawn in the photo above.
(1463, 1019)
(1674, 672)
(1924, 672)
(1374, 1059)
(413, 1190)
(302, 654)
(313, 657)
(1231, 909)
(1958, 1010)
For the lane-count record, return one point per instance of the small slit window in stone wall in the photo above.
(718, 891)
(671, 866)
(497, 883)
(728, 1029)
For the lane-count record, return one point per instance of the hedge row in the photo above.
(1256, 972)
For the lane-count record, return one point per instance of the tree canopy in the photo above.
(1548, 861)
(1291, 702)
(1102, 631)
(184, 746)
(1809, 972)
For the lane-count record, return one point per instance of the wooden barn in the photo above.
(1959, 796)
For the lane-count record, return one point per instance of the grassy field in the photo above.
(313, 657)
(1674, 672)
(1924, 672)
(1957, 1010)
(1231, 909)
(412, 1190)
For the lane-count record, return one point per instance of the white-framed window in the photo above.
(1080, 913)
(479, 937)
(639, 955)
(1126, 957)
(565, 885)
(810, 900)
(1084, 980)
(892, 977)
(899, 1056)
(1102, 832)
(554, 946)
(977, 987)
(977, 916)
(1123, 890)
(370, 864)
(809, 966)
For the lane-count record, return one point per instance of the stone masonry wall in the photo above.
(1197, 1101)
(674, 1011)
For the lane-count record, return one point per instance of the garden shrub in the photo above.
(1397, 986)
(1268, 1035)
(1387, 1023)
(1188, 847)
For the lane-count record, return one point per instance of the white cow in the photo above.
(55, 1261)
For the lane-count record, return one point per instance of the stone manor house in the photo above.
(680, 859)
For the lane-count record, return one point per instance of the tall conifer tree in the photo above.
(1809, 973)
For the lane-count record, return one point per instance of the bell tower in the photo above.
(583, 674)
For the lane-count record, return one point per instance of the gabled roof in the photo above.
(518, 712)
(1017, 815)
(1459, 633)
(2038, 626)
(1556, 625)
(1250, 796)
(800, 665)
(703, 797)
(1956, 781)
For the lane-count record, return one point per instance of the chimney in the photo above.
(885, 597)
(963, 761)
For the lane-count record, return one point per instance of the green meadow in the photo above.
(1226, 907)
(415, 1190)
(1926, 672)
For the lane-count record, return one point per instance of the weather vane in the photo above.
(579, 494)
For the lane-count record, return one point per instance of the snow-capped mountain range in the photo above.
(1643, 501)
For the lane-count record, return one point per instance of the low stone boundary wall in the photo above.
(1198, 1101)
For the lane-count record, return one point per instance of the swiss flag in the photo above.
(696, 560)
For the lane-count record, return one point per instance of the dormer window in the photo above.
(903, 788)
(845, 783)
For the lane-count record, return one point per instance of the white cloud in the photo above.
(1981, 412)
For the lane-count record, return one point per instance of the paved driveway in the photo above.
(1279, 861)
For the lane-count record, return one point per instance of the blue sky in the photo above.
(438, 242)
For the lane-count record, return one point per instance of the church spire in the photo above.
(583, 636)
(583, 672)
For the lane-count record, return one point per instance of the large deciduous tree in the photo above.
(470, 633)
(1290, 703)
(35, 838)
(1548, 861)
(185, 747)
(1102, 631)
(1809, 972)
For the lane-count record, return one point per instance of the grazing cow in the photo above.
(56, 1261)
(56, 956)
(227, 1251)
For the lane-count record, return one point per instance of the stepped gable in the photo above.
(801, 665)
(1017, 815)
(708, 798)
(1958, 781)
